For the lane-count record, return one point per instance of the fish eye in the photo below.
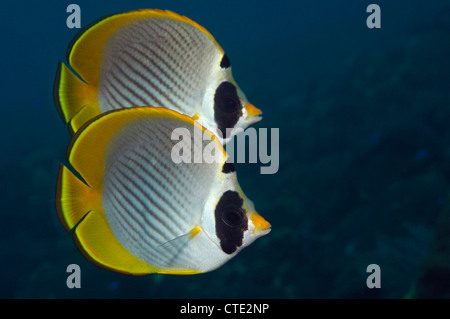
(227, 99)
(227, 107)
(231, 221)
(230, 104)
(233, 216)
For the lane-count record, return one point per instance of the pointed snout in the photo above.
(262, 226)
(252, 110)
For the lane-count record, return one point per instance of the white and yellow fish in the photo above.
(156, 58)
(137, 211)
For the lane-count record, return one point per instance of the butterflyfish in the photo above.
(135, 208)
(156, 58)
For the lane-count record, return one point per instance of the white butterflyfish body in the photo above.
(156, 58)
(136, 211)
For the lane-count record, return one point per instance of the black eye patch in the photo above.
(231, 221)
(227, 107)
(225, 63)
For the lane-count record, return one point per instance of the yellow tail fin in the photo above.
(74, 199)
(75, 100)
(79, 207)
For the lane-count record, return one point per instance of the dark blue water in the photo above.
(364, 173)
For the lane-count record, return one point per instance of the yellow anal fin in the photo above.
(75, 100)
(97, 242)
(79, 206)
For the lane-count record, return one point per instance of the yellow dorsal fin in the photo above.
(88, 147)
(85, 52)
(76, 99)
